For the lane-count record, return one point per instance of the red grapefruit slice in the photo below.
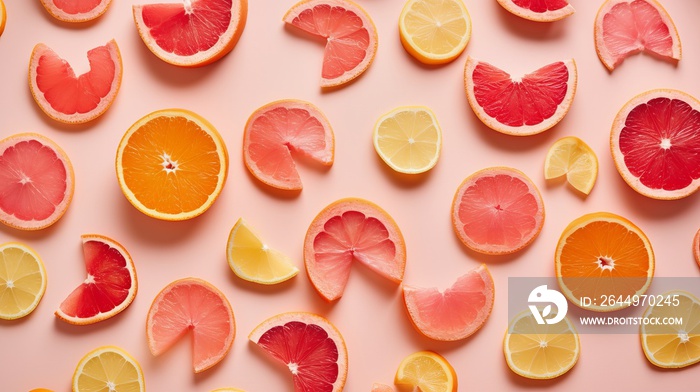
(310, 346)
(72, 99)
(74, 11)
(352, 229)
(350, 35)
(655, 143)
(191, 33)
(539, 10)
(109, 288)
(36, 181)
(520, 106)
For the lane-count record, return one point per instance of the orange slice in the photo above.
(108, 368)
(696, 247)
(539, 10)
(426, 371)
(22, 280)
(76, 11)
(3, 17)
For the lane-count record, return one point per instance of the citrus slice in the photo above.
(195, 305)
(3, 17)
(673, 346)
(520, 106)
(603, 254)
(36, 182)
(76, 11)
(435, 31)
(172, 164)
(539, 10)
(626, 27)
(540, 351)
(72, 99)
(352, 229)
(252, 260)
(408, 139)
(228, 390)
(655, 143)
(279, 130)
(309, 345)
(696, 247)
(455, 313)
(376, 387)
(22, 280)
(428, 372)
(109, 288)
(108, 368)
(571, 157)
(349, 33)
(41, 390)
(497, 210)
(191, 33)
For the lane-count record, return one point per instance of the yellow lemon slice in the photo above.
(22, 280)
(108, 368)
(572, 157)
(427, 371)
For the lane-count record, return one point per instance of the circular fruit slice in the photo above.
(172, 164)
(572, 157)
(36, 181)
(22, 280)
(435, 31)
(349, 34)
(626, 27)
(72, 99)
(655, 143)
(603, 254)
(76, 11)
(280, 129)
(497, 210)
(696, 247)
(109, 288)
(408, 139)
(427, 371)
(195, 305)
(540, 351)
(108, 368)
(309, 345)
(673, 346)
(520, 106)
(539, 10)
(352, 229)
(191, 33)
(455, 313)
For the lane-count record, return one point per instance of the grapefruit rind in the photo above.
(547, 16)
(64, 16)
(42, 288)
(109, 349)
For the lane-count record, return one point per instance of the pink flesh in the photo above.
(76, 6)
(310, 348)
(541, 5)
(640, 143)
(32, 181)
(629, 28)
(528, 102)
(184, 34)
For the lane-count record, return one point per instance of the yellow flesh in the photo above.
(426, 371)
(108, 368)
(436, 28)
(666, 345)
(22, 281)
(572, 157)
(408, 139)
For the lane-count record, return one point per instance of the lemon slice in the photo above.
(408, 139)
(427, 371)
(22, 280)
(108, 368)
(572, 157)
(251, 259)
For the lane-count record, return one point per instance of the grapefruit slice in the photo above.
(352, 229)
(655, 143)
(497, 210)
(309, 345)
(455, 313)
(696, 247)
(539, 10)
(195, 305)
(108, 368)
(109, 288)
(426, 371)
(520, 106)
(627, 27)
(350, 35)
(573, 158)
(36, 181)
(277, 131)
(76, 11)
(22, 280)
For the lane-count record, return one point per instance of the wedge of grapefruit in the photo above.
(539, 10)
(72, 99)
(73, 11)
(655, 143)
(36, 181)
(349, 34)
(191, 33)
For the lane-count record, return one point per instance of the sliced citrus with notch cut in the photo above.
(3, 17)
(76, 11)
(309, 345)
(349, 33)
(408, 139)
(108, 368)
(428, 372)
(573, 158)
(539, 10)
(22, 280)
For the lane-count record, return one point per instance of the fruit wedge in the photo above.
(539, 10)
(428, 372)
(573, 158)
(22, 280)
(108, 368)
(73, 11)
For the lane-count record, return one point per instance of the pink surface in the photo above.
(271, 62)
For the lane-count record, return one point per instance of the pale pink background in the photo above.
(271, 63)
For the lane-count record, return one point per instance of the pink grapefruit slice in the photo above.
(352, 229)
(310, 346)
(539, 10)
(520, 106)
(655, 143)
(194, 305)
(349, 33)
(627, 27)
(76, 11)
(279, 130)
(72, 99)
(108, 289)
(36, 182)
